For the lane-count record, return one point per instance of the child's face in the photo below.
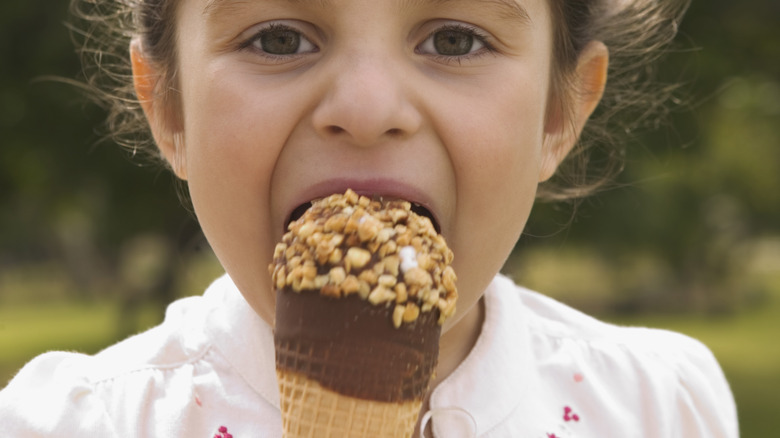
(441, 102)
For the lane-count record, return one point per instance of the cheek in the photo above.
(230, 153)
(496, 151)
(233, 139)
(235, 120)
(237, 124)
(496, 156)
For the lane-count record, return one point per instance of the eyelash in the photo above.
(477, 34)
(481, 37)
(272, 27)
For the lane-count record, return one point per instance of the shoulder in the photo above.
(66, 394)
(551, 319)
(180, 339)
(653, 370)
(52, 396)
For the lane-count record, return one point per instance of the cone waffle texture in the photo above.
(310, 410)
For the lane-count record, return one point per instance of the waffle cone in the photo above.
(309, 410)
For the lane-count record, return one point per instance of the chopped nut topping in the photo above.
(368, 228)
(364, 290)
(448, 278)
(351, 197)
(380, 295)
(330, 290)
(411, 312)
(400, 292)
(335, 256)
(384, 234)
(418, 277)
(309, 271)
(356, 258)
(378, 250)
(388, 281)
(369, 277)
(350, 285)
(279, 250)
(320, 281)
(398, 315)
(392, 264)
(337, 275)
(280, 277)
(336, 223)
(306, 229)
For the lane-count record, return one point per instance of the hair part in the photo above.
(635, 32)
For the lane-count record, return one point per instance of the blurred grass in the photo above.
(41, 310)
(30, 329)
(744, 344)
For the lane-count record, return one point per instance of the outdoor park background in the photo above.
(95, 242)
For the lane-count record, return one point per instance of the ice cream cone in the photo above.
(362, 290)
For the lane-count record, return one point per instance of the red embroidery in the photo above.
(223, 433)
(578, 377)
(568, 415)
(563, 427)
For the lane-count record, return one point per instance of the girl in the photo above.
(461, 106)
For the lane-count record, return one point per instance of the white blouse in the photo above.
(539, 370)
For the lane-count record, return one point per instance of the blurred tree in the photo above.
(706, 184)
(64, 194)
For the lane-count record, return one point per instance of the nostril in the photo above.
(333, 129)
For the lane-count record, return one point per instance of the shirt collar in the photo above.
(245, 339)
(493, 379)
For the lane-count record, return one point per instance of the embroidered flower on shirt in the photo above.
(223, 433)
(563, 428)
(569, 415)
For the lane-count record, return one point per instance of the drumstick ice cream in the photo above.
(362, 287)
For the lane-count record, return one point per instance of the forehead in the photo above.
(508, 9)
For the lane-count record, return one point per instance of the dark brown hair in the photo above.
(635, 32)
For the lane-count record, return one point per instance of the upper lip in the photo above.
(377, 187)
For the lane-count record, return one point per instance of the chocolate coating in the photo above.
(350, 346)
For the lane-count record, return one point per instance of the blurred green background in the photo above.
(95, 242)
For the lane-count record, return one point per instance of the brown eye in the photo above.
(452, 42)
(455, 41)
(280, 40)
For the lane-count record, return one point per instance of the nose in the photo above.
(367, 101)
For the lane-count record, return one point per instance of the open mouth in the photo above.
(422, 211)
(417, 208)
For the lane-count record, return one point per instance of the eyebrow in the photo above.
(509, 9)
